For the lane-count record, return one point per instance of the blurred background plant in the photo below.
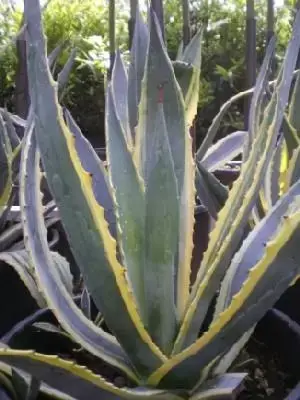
(84, 24)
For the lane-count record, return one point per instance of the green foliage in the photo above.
(9, 26)
(223, 64)
(85, 24)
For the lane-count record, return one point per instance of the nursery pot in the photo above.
(277, 337)
(16, 301)
(227, 175)
(203, 221)
(289, 302)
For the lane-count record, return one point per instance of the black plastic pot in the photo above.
(16, 302)
(201, 231)
(227, 175)
(282, 336)
(203, 222)
(289, 302)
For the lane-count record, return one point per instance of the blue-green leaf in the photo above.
(160, 85)
(256, 108)
(59, 300)
(94, 166)
(119, 84)
(162, 231)
(136, 69)
(223, 386)
(293, 116)
(224, 150)
(64, 74)
(128, 195)
(211, 193)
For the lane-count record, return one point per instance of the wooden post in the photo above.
(297, 7)
(112, 35)
(131, 22)
(270, 20)
(250, 55)
(157, 6)
(186, 37)
(186, 34)
(271, 30)
(22, 98)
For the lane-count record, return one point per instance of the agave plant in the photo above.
(283, 171)
(140, 283)
(12, 248)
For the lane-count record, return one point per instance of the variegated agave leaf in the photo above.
(211, 193)
(233, 218)
(6, 175)
(186, 67)
(220, 386)
(293, 115)
(163, 88)
(64, 74)
(224, 150)
(283, 170)
(246, 259)
(267, 280)
(213, 156)
(14, 140)
(293, 172)
(187, 70)
(81, 214)
(74, 380)
(20, 386)
(94, 166)
(272, 186)
(93, 339)
(136, 69)
(119, 85)
(258, 100)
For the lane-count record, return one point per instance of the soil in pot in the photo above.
(267, 378)
(47, 342)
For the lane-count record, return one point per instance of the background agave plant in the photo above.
(12, 247)
(140, 283)
(283, 171)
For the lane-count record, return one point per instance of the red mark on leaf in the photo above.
(160, 94)
(160, 88)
